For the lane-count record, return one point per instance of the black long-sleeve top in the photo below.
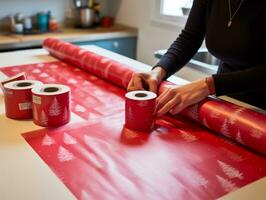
(240, 48)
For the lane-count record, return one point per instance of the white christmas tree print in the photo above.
(55, 108)
(205, 123)
(233, 156)
(200, 180)
(256, 134)
(230, 171)
(35, 113)
(80, 108)
(66, 114)
(224, 129)
(84, 195)
(226, 184)
(193, 111)
(47, 141)
(64, 155)
(68, 139)
(188, 136)
(43, 118)
(36, 71)
(239, 138)
(235, 114)
(44, 75)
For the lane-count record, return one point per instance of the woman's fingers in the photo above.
(168, 106)
(153, 85)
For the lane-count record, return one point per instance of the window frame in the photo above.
(157, 16)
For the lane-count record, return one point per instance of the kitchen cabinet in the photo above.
(123, 46)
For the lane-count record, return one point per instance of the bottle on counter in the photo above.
(27, 24)
(43, 21)
(53, 24)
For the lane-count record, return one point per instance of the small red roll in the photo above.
(51, 105)
(18, 98)
(140, 110)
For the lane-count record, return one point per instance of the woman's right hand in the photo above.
(147, 80)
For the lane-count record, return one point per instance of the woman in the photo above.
(235, 33)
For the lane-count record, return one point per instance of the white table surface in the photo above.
(24, 175)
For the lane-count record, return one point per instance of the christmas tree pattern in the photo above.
(230, 171)
(200, 180)
(239, 138)
(68, 139)
(226, 184)
(47, 141)
(80, 108)
(256, 134)
(232, 155)
(44, 75)
(55, 108)
(235, 114)
(193, 111)
(66, 115)
(35, 113)
(224, 129)
(205, 123)
(188, 136)
(84, 195)
(64, 155)
(43, 119)
(36, 71)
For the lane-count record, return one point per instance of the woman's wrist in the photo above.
(210, 85)
(160, 73)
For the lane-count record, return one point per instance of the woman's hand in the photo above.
(177, 98)
(147, 80)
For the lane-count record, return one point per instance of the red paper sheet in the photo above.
(99, 160)
(102, 160)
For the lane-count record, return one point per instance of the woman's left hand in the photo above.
(177, 98)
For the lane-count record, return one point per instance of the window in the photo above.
(173, 12)
(175, 7)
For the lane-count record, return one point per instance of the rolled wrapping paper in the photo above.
(140, 110)
(18, 98)
(51, 105)
(243, 125)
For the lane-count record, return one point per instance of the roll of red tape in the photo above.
(51, 105)
(140, 110)
(18, 98)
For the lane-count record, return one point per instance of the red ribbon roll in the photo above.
(140, 110)
(18, 98)
(51, 105)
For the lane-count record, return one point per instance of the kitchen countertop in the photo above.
(10, 41)
(23, 173)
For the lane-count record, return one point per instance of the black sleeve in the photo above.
(188, 42)
(248, 80)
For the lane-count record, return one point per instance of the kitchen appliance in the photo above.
(86, 17)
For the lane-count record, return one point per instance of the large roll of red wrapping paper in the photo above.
(51, 105)
(241, 124)
(18, 98)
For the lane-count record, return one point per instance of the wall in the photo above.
(152, 35)
(61, 9)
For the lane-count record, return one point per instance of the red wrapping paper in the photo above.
(51, 105)
(244, 125)
(185, 159)
(140, 110)
(18, 98)
(104, 160)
